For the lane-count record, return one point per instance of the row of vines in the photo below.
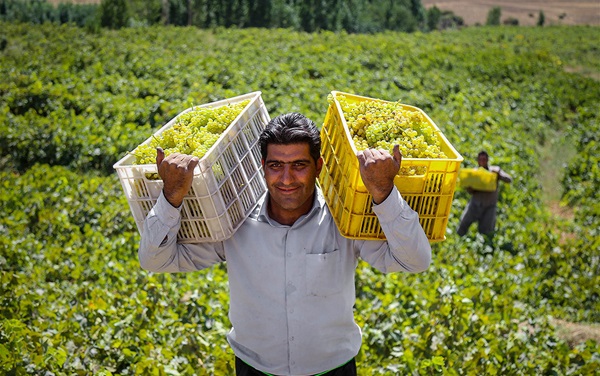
(74, 301)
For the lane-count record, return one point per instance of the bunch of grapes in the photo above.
(193, 132)
(381, 125)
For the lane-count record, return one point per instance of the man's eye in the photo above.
(279, 165)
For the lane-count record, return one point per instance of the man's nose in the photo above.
(287, 174)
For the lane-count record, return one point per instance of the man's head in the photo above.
(482, 159)
(290, 147)
(291, 128)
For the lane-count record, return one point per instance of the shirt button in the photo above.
(291, 310)
(291, 338)
(289, 254)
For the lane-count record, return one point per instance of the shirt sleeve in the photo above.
(502, 175)
(159, 251)
(406, 247)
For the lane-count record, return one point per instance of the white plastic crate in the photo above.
(227, 182)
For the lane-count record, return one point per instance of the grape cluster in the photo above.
(381, 125)
(193, 132)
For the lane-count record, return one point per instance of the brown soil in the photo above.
(561, 211)
(575, 334)
(575, 12)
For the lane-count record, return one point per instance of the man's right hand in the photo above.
(177, 173)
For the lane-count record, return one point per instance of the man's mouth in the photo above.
(287, 189)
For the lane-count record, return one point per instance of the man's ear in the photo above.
(319, 165)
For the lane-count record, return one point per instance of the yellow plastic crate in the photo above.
(479, 179)
(227, 182)
(429, 194)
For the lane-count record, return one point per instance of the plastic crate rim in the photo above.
(152, 168)
(438, 131)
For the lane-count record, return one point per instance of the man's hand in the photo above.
(177, 173)
(378, 169)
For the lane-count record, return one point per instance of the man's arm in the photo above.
(502, 175)
(407, 247)
(159, 250)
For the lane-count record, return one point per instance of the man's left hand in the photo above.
(378, 169)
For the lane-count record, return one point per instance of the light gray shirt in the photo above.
(291, 287)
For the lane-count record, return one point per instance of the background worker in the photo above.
(290, 271)
(482, 205)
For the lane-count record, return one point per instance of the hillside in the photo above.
(576, 12)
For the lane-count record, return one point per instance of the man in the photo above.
(291, 273)
(482, 206)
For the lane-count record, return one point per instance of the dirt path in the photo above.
(576, 12)
(575, 334)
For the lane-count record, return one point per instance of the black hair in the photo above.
(483, 152)
(291, 128)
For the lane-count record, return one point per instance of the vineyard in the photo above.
(74, 300)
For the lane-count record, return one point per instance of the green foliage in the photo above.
(358, 16)
(434, 15)
(73, 299)
(113, 13)
(493, 17)
(582, 178)
(394, 16)
(40, 11)
(541, 19)
(441, 20)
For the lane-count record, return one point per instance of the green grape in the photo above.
(378, 124)
(193, 132)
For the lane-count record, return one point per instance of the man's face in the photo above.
(290, 174)
(482, 160)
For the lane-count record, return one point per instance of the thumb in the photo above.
(397, 154)
(160, 155)
(193, 163)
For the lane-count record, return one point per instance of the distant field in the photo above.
(585, 12)
(577, 12)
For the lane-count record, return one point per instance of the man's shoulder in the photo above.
(494, 168)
